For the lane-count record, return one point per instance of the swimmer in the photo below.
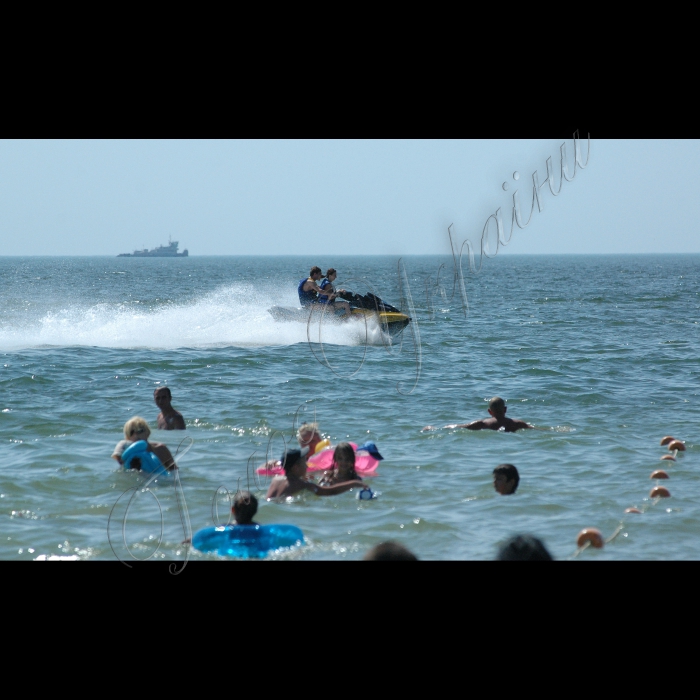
(294, 479)
(168, 418)
(505, 479)
(343, 467)
(244, 508)
(309, 436)
(498, 421)
(136, 429)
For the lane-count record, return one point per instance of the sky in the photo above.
(343, 197)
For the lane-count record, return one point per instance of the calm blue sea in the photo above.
(599, 352)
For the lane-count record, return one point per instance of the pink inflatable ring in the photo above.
(322, 461)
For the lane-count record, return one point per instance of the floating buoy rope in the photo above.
(592, 537)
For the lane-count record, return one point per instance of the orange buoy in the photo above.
(633, 510)
(671, 458)
(666, 440)
(676, 445)
(659, 474)
(659, 492)
(590, 534)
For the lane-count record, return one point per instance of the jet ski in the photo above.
(391, 320)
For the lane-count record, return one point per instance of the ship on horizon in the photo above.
(162, 251)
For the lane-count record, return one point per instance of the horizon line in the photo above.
(302, 255)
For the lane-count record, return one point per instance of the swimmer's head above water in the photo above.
(162, 396)
(344, 461)
(136, 428)
(293, 459)
(505, 479)
(244, 507)
(309, 436)
(497, 407)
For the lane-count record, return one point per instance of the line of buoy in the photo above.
(592, 537)
(674, 446)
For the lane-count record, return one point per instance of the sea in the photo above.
(598, 353)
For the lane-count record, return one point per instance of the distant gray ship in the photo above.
(162, 251)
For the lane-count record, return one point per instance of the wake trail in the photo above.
(232, 316)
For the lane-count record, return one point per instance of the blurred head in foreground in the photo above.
(390, 551)
(523, 548)
(244, 508)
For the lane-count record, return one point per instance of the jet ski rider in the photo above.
(329, 292)
(309, 290)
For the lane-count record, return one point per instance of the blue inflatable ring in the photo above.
(247, 541)
(150, 464)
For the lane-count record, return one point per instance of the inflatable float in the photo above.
(247, 541)
(366, 460)
(148, 461)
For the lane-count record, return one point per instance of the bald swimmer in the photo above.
(498, 421)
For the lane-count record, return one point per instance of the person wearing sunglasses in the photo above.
(136, 429)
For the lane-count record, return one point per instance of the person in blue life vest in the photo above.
(328, 290)
(309, 290)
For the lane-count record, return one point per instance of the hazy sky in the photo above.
(341, 197)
